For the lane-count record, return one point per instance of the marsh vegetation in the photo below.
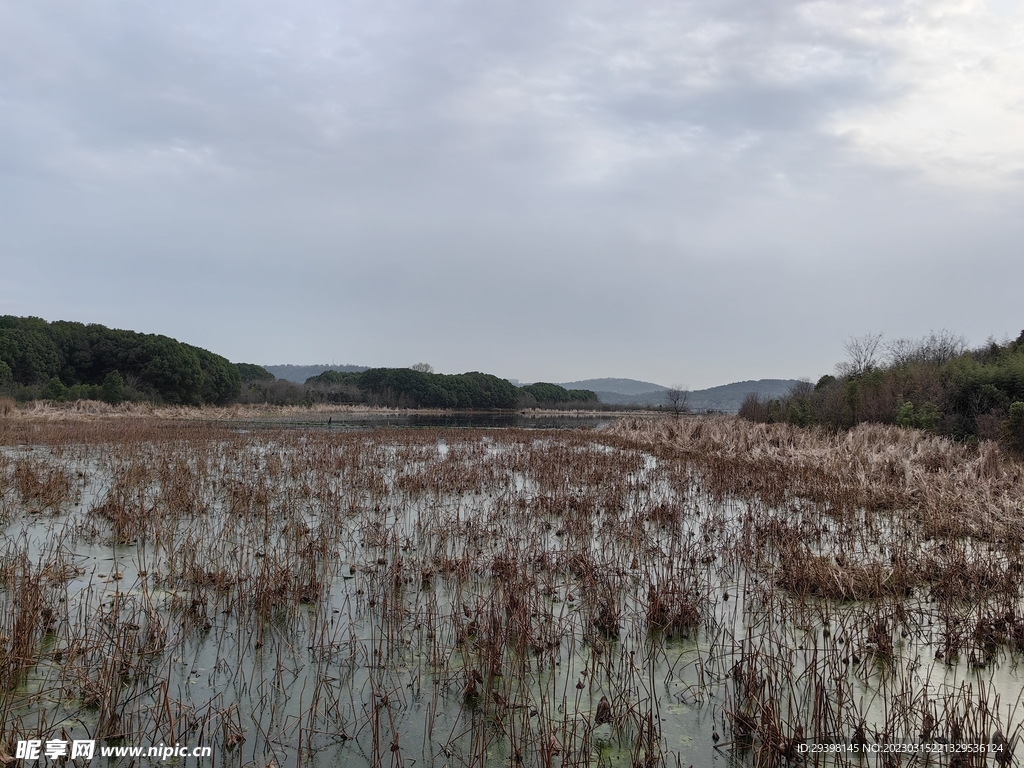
(664, 592)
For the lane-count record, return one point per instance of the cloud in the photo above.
(598, 86)
(957, 84)
(546, 189)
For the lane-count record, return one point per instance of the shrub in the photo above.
(55, 390)
(930, 384)
(113, 388)
(924, 417)
(1015, 425)
(754, 408)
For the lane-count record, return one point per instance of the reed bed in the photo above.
(663, 593)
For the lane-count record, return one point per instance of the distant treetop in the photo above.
(553, 394)
(249, 372)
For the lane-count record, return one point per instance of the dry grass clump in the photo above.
(955, 575)
(42, 486)
(806, 574)
(672, 610)
(29, 615)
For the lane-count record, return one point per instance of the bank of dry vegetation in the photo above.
(974, 490)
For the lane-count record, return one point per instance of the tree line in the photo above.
(935, 383)
(74, 361)
(422, 388)
(66, 361)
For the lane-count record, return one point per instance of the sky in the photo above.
(689, 193)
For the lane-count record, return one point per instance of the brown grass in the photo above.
(951, 489)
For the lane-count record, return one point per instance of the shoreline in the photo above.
(91, 410)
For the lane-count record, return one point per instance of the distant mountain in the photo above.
(727, 397)
(615, 386)
(299, 373)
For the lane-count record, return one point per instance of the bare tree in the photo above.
(423, 367)
(676, 398)
(801, 390)
(864, 353)
(936, 348)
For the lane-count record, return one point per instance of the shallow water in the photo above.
(449, 420)
(437, 598)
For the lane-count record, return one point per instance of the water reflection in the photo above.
(446, 420)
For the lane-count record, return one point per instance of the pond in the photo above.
(450, 597)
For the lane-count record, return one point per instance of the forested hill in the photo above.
(726, 397)
(729, 397)
(66, 360)
(409, 388)
(62, 361)
(299, 373)
(616, 386)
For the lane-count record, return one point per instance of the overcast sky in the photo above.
(682, 192)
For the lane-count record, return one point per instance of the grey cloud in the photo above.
(546, 190)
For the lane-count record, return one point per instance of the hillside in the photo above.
(616, 386)
(729, 397)
(409, 388)
(726, 397)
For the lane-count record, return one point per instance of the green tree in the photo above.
(552, 394)
(168, 368)
(222, 382)
(404, 387)
(333, 378)
(113, 388)
(55, 390)
(28, 350)
(248, 372)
